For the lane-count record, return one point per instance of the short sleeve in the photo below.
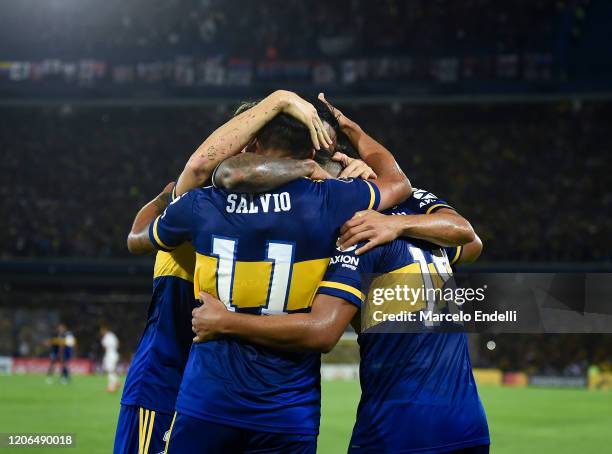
(173, 227)
(346, 196)
(423, 202)
(347, 274)
(173, 193)
(453, 254)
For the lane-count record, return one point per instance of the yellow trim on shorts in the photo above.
(169, 434)
(149, 432)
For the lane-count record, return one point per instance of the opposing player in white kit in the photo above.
(110, 343)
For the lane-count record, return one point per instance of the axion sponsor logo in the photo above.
(345, 260)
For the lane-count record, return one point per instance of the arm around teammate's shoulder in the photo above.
(470, 252)
(254, 173)
(138, 241)
(162, 224)
(393, 184)
(318, 330)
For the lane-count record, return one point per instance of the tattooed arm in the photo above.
(249, 172)
(233, 136)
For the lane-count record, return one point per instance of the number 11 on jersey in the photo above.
(280, 254)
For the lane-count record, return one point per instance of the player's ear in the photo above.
(313, 152)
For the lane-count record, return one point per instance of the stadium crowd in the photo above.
(279, 28)
(530, 177)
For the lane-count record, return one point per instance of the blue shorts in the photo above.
(196, 436)
(141, 431)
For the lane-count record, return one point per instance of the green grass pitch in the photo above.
(522, 421)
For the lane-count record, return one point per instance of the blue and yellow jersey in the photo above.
(422, 201)
(62, 346)
(157, 367)
(55, 345)
(260, 254)
(418, 391)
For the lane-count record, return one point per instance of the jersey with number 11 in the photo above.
(260, 254)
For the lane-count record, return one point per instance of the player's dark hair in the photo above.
(286, 133)
(325, 114)
(324, 159)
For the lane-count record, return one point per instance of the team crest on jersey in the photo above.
(424, 197)
(348, 249)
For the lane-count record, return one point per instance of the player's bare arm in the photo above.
(233, 136)
(253, 173)
(471, 251)
(393, 184)
(318, 330)
(250, 172)
(227, 140)
(138, 241)
(445, 228)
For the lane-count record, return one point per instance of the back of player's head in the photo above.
(282, 134)
(289, 136)
(324, 159)
(286, 135)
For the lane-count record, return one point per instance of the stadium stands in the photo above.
(531, 177)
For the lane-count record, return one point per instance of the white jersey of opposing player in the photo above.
(111, 355)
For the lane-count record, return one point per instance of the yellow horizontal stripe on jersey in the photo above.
(178, 263)
(437, 205)
(385, 285)
(305, 279)
(372, 195)
(436, 279)
(411, 268)
(251, 281)
(343, 287)
(156, 236)
(205, 275)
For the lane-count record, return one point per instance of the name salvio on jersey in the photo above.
(252, 204)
